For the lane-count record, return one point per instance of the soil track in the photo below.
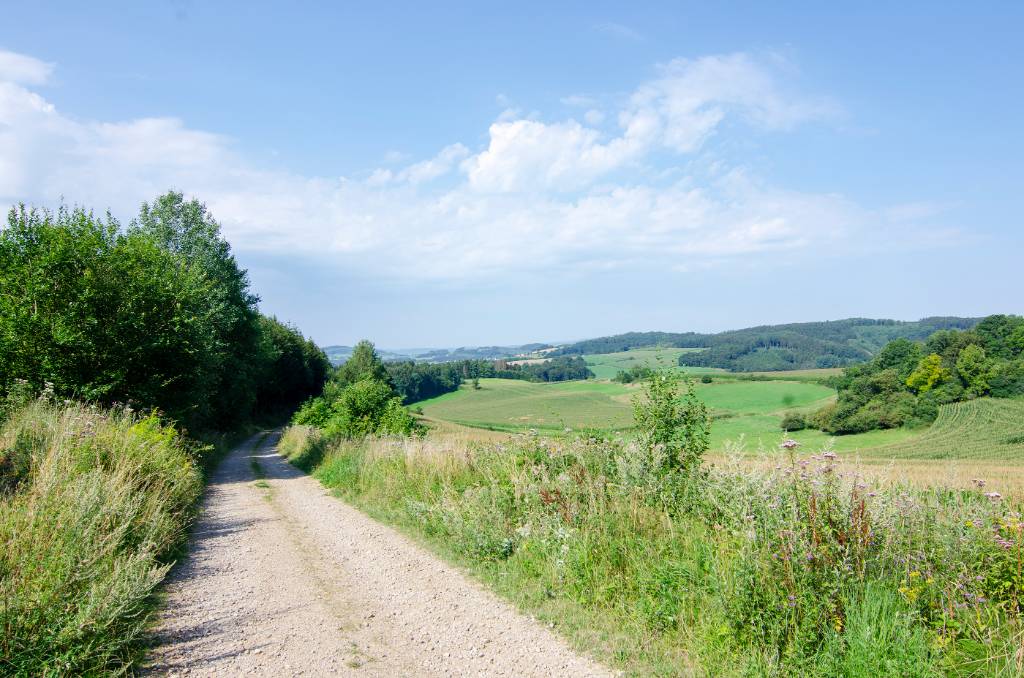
(283, 579)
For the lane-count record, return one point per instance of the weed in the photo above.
(95, 505)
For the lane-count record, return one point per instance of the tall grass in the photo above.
(803, 569)
(92, 506)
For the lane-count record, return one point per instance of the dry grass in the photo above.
(441, 429)
(1003, 477)
(1000, 476)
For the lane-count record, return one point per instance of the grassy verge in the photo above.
(93, 506)
(799, 570)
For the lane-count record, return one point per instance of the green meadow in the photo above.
(745, 411)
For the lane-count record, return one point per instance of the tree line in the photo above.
(416, 381)
(156, 314)
(907, 381)
(367, 396)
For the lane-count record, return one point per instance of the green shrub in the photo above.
(794, 421)
(674, 426)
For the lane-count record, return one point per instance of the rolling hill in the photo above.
(793, 346)
(339, 354)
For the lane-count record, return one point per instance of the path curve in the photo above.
(283, 579)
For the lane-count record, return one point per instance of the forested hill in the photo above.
(834, 343)
(339, 354)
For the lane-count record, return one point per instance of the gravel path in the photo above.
(283, 579)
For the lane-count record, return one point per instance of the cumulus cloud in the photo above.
(538, 196)
(679, 110)
(531, 155)
(693, 96)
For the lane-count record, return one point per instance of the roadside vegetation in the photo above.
(668, 565)
(94, 505)
(360, 399)
(130, 358)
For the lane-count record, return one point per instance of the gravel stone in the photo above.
(289, 580)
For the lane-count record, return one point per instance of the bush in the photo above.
(675, 427)
(364, 408)
(633, 374)
(95, 504)
(706, 379)
(360, 400)
(794, 421)
(1007, 380)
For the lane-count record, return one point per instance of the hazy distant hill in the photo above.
(833, 343)
(339, 354)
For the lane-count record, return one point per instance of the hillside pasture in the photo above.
(761, 397)
(515, 405)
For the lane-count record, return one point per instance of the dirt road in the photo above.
(282, 579)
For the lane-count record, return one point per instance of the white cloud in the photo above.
(679, 110)
(693, 96)
(538, 197)
(529, 155)
(424, 171)
(23, 69)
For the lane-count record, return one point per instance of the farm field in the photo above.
(607, 365)
(745, 411)
(984, 429)
(515, 406)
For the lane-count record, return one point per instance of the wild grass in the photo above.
(93, 504)
(806, 569)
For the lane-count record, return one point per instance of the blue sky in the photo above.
(455, 175)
